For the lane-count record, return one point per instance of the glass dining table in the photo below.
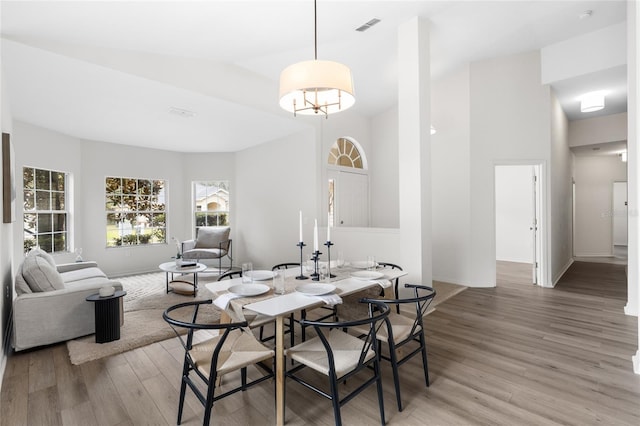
(298, 296)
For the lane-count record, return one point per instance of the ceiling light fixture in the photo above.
(311, 87)
(593, 101)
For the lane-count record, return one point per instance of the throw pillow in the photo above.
(40, 275)
(212, 236)
(43, 254)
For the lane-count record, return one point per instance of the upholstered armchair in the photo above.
(212, 242)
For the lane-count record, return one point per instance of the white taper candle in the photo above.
(315, 236)
(300, 226)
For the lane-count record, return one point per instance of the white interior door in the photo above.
(619, 213)
(352, 199)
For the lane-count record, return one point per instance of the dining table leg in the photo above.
(280, 363)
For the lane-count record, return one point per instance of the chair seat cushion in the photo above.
(259, 320)
(241, 349)
(346, 353)
(201, 253)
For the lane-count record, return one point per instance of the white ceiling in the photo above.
(112, 70)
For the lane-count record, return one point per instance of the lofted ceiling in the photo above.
(202, 76)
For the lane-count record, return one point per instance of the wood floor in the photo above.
(511, 355)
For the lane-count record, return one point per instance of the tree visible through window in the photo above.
(345, 153)
(136, 213)
(45, 209)
(211, 203)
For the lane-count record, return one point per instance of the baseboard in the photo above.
(564, 269)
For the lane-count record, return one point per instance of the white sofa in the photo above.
(50, 303)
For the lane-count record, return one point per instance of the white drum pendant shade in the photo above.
(315, 86)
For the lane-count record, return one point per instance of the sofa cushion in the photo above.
(21, 285)
(40, 275)
(212, 236)
(82, 274)
(43, 254)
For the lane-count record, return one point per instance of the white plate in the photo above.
(360, 264)
(249, 289)
(315, 289)
(367, 275)
(261, 275)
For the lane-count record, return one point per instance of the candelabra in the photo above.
(315, 256)
(329, 244)
(302, 275)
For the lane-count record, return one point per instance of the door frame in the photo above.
(542, 236)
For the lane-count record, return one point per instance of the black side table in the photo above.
(107, 316)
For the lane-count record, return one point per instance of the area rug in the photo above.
(143, 306)
(143, 324)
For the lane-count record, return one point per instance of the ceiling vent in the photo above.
(181, 112)
(368, 25)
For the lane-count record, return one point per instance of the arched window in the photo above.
(345, 153)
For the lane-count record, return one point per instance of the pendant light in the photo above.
(312, 87)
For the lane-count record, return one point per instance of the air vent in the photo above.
(181, 112)
(368, 25)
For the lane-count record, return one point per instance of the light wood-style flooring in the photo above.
(511, 355)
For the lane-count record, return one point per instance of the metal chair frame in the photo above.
(378, 312)
(396, 281)
(262, 338)
(416, 335)
(189, 364)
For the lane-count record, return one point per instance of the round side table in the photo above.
(107, 316)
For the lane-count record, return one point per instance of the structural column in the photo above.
(414, 150)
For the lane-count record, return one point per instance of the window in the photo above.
(347, 184)
(135, 211)
(45, 209)
(345, 153)
(211, 203)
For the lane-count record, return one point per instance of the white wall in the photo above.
(585, 54)
(608, 128)
(450, 168)
(594, 176)
(6, 243)
(384, 170)
(510, 120)
(89, 162)
(274, 182)
(514, 213)
(560, 194)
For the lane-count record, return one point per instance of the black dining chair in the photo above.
(396, 281)
(339, 355)
(401, 330)
(259, 321)
(232, 349)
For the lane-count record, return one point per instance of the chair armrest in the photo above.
(188, 245)
(66, 267)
